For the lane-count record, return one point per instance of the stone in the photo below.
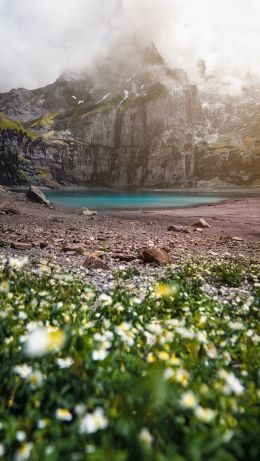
(76, 247)
(201, 223)
(87, 212)
(9, 209)
(21, 245)
(124, 257)
(237, 239)
(183, 229)
(36, 195)
(43, 243)
(199, 230)
(96, 263)
(156, 255)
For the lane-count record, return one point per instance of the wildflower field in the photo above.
(160, 367)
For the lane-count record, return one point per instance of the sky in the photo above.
(41, 39)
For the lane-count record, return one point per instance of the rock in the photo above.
(157, 256)
(93, 254)
(36, 195)
(96, 263)
(237, 239)
(9, 209)
(43, 243)
(21, 245)
(76, 247)
(201, 223)
(167, 249)
(183, 229)
(87, 212)
(199, 230)
(124, 257)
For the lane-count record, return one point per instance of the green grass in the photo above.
(45, 177)
(7, 123)
(171, 363)
(46, 120)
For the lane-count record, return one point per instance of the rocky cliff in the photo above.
(140, 126)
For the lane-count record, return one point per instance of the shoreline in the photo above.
(193, 190)
(64, 236)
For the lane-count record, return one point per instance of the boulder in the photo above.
(201, 223)
(36, 195)
(156, 255)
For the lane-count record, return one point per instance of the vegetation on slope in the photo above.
(8, 124)
(46, 120)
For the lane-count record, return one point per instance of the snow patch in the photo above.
(130, 78)
(104, 97)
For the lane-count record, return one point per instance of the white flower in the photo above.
(211, 351)
(232, 383)
(145, 436)
(23, 453)
(168, 373)
(80, 409)
(42, 423)
(20, 436)
(184, 332)
(23, 370)
(105, 299)
(100, 354)
(188, 400)
(2, 450)
(43, 340)
(65, 363)
(202, 337)
(63, 414)
(228, 436)
(17, 263)
(126, 333)
(35, 377)
(92, 422)
(155, 328)
(22, 315)
(236, 325)
(205, 414)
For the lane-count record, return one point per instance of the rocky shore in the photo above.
(102, 243)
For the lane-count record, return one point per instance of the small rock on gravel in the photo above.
(96, 263)
(21, 245)
(157, 256)
(182, 229)
(202, 223)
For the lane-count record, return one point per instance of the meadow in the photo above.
(155, 368)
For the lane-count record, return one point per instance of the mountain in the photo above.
(131, 122)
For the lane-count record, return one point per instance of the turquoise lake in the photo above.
(121, 200)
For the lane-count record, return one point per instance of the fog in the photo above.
(42, 39)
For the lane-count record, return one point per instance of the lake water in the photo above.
(104, 200)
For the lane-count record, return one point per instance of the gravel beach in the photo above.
(104, 242)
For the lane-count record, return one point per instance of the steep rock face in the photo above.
(151, 129)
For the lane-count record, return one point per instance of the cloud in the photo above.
(41, 39)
